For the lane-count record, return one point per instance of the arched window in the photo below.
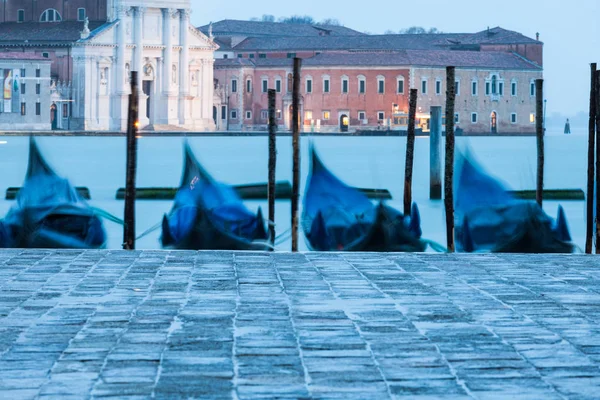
(494, 84)
(400, 84)
(380, 84)
(50, 15)
(362, 84)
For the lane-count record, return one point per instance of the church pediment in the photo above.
(104, 34)
(199, 39)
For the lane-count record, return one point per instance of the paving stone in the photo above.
(213, 325)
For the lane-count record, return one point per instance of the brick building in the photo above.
(352, 81)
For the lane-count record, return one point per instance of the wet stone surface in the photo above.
(213, 325)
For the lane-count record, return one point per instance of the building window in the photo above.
(290, 83)
(344, 84)
(513, 88)
(38, 88)
(362, 115)
(362, 84)
(251, 55)
(81, 14)
(456, 118)
(278, 85)
(401, 85)
(424, 86)
(513, 118)
(457, 88)
(262, 55)
(326, 84)
(248, 114)
(264, 114)
(50, 15)
(532, 118)
(438, 87)
(23, 72)
(474, 118)
(326, 115)
(23, 88)
(240, 55)
(291, 55)
(225, 56)
(65, 112)
(21, 15)
(532, 89)
(308, 85)
(248, 86)
(501, 88)
(308, 114)
(474, 88)
(380, 115)
(380, 85)
(487, 88)
(265, 85)
(494, 84)
(23, 108)
(233, 114)
(38, 73)
(38, 108)
(278, 114)
(223, 112)
(234, 86)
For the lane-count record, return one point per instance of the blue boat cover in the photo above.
(49, 212)
(220, 202)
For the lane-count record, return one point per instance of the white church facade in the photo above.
(95, 44)
(174, 63)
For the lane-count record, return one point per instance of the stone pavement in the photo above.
(95, 324)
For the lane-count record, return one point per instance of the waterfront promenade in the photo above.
(95, 324)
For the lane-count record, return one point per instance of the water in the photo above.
(375, 162)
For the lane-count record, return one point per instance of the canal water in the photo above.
(370, 162)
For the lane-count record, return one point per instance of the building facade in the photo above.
(354, 82)
(25, 103)
(93, 46)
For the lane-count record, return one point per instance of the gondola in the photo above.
(337, 217)
(209, 215)
(489, 218)
(49, 213)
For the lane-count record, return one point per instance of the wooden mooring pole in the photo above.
(449, 167)
(597, 183)
(589, 231)
(296, 151)
(132, 128)
(272, 164)
(435, 162)
(410, 150)
(539, 129)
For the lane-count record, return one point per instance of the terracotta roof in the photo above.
(405, 58)
(230, 27)
(450, 41)
(36, 33)
(17, 55)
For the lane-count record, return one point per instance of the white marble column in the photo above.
(157, 90)
(184, 16)
(121, 45)
(168, 43)
(139, 44)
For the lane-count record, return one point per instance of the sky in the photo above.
(569, 29)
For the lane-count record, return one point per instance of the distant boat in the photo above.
(49, 213)
(488, 218)
(337, 217)
(209, 215)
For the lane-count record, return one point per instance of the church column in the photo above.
(168, 43)
(121, 45)
(184, 54)
(157, 90)
(139, 44)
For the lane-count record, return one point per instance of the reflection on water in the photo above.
(376, 162)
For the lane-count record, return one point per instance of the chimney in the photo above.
(537, 36)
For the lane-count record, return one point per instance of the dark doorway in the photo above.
(147, 88)
(344, 123)
(215, 114)
(53, 117)
(494, 122)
